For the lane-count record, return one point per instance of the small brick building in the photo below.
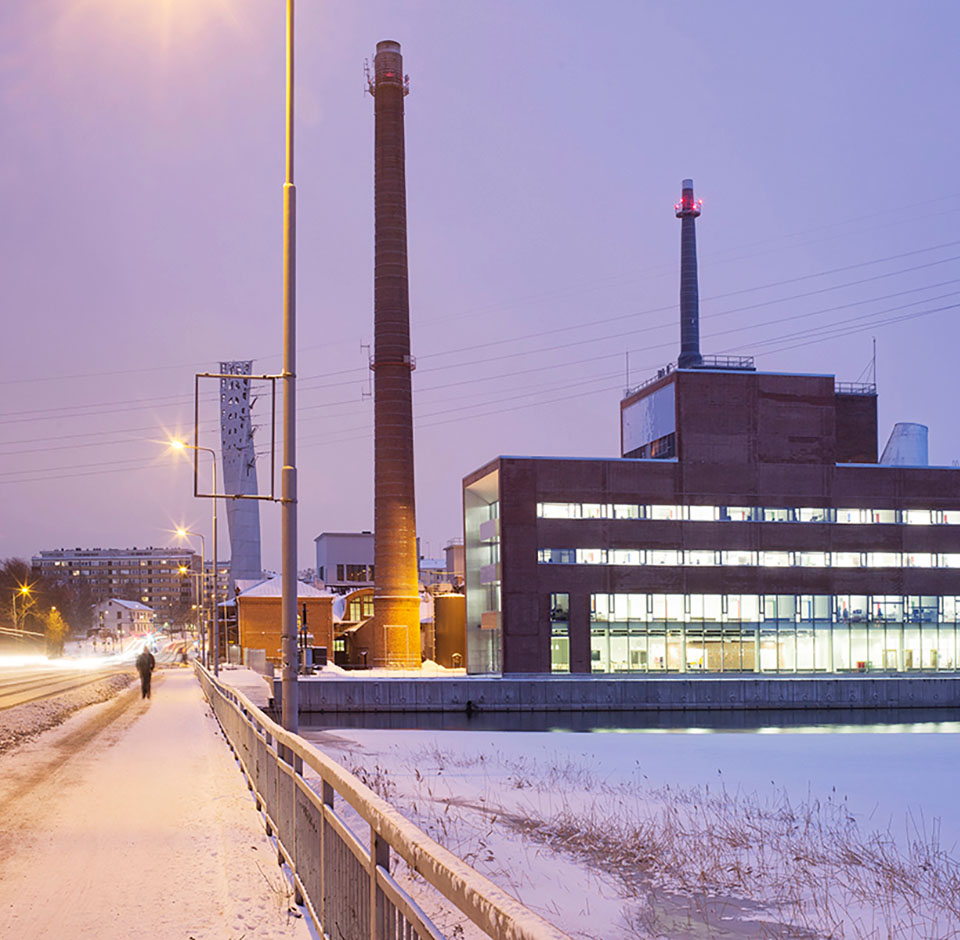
(258, 616)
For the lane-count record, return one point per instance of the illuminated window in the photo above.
(559, 632)
(663, 556)
(558, 510)
(738, 513)
(664, 512)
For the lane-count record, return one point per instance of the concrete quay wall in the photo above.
(553, 693)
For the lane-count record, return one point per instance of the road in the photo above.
(20, 684)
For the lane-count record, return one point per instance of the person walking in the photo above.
(145, 666)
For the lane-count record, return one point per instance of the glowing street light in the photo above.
(23, 592)
(178, 446)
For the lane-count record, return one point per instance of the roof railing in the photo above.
(736, 363)
(855, 388)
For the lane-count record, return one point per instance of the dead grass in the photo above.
(705, 862)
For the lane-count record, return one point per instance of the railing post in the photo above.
(379, 858)
(326, 794)
(268, 754)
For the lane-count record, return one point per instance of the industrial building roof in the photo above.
(272, 587)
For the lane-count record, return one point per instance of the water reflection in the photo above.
(812, 721)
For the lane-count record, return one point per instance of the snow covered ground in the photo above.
(132, 820)
(31, 719)
(807, 833)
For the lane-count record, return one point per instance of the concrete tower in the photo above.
(687, 211)
(239, 472)
(396, 636)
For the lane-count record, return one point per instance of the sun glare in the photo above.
(163, 24)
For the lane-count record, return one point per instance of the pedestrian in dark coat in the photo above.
(145, 666)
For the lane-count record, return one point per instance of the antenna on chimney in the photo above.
(687, 210)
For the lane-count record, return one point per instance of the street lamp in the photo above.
(288, 477)
(24, 592)
(290, 694)
(215, 644)
(183, 533)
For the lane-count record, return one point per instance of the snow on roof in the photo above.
(130, 605)
(244, 584)
(272, 587)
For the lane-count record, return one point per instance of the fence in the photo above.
(347, 887)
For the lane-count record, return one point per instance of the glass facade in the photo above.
(771, 633)
(559, 632)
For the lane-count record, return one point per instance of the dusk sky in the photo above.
(141, 177)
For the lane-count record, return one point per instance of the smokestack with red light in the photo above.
(687, 211)
(396, 639)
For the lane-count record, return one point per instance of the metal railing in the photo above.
(737, 363)
(731, 363)
(855, 388)
(347, 887)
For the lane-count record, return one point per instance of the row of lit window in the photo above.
(95, 563)
(747, 514)
(760, 608)
(676, 557)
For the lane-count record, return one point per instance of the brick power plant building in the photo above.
(748, 527)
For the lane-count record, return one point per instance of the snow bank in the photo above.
(24, 722)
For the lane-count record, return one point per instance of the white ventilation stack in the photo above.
(907, 446)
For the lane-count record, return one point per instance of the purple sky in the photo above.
(140, 199)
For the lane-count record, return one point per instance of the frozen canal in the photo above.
(775, 830)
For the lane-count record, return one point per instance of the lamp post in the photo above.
(183, 533)
(22, 591)
(288, 481)
(215, 642)
(288, 477)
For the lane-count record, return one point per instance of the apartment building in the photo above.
(150, 576)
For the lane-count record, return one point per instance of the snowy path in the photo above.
(132, 820)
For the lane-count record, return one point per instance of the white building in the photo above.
(123, 618)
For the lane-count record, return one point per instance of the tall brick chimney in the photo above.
(687, 211)
(396, 635)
